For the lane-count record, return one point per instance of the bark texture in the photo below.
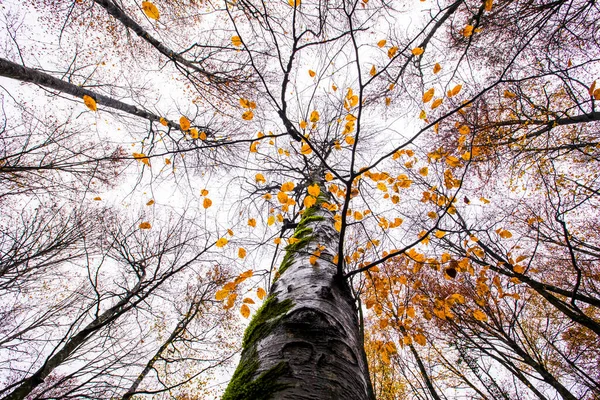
(304, 343)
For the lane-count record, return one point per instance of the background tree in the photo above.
(420, 174)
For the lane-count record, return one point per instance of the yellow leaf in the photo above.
(252, 222)
(164, 122)
(312, 260)
(141, 157)
(145, 225)
(150, 203)
(417, 51)
(420, 339)
(437, 68)
(221, 242)
(381, 43)
(277, 240)
(373, 71)
(314, 190)
(488, 5)
(294, 3)
(381, 186)
(245, 103)
(184, 123)
(349, 140)
(467, 31)
(439, 234)
(245, 311)
(312, 73)
(241, 252)
(202, 135)
(271, 220)
(358, 215)
(248, 115)
(303, 124)
(254, 147)
(90, 102)
(519, 269)
(314, 116)
(287, 186)
(260, 178)
(480, 315)
(428, 95)
(282, 197)
(454, 91)
(207, 202)
(150, 10)
(484, 200)
(230, 301)
(261, 293)
(392, 51)
(328, 177)
(221, 294)
(432, 215)
(194, 133)
(504, 234)
(422, 114)
(436, 103)
(236, 41)
(309, 201)
(97, 198)
(424, 171)
(452, 161)
(464, 130)
(305, 149)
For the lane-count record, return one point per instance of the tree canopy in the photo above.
(166, 166)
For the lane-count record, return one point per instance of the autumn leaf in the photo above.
(454, 91)
(245, 310)
(241, 252)
(271, 220)
(164, 122)
(260, 178)
(417, 51)
(252, 222)
(221, 242)
(467, 31)
(328, 177)
(314, 116)
(509, 95)
(503, 233)
(311, 73)
(314, 190)
(287, 186)
(349, 140)
(90, 102)
(480, 315)
(248, 115)
(428, 95)
(150, 203)
(381, 43)
(221, 294)
(236, 41)
(436, 103)
(248, 300)
(145, 225)
(437, 68)
(424, 171)
(305, 149)
(422, 114)
(488, 5)
(309, 201)
(261, 293)
(373, 71)
(452, 161)
(184, 123)
(392, 52)
(207, 202)
(150, 10)
(97, 198)
(254, 147)
(420, 339)
(294, 3)
(142, 157)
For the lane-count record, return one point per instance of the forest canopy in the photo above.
(209, 199)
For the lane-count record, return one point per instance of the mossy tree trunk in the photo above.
(304, 342)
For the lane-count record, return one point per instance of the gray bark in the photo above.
(314, 350)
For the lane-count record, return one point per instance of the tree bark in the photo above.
(304, 342)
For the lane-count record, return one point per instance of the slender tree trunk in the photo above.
(304, 342)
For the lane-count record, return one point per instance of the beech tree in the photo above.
(410, 190)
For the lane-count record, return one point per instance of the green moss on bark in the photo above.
(242, 387)
(264, 320)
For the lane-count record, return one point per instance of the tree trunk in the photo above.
(304, 342)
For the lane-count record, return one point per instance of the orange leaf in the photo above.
(437, 68)
(417, 51)
(221, 242)
(260, 293)
(184, 123)
(150, 10)
(245, 311)
(428, 95)
(436, 103)
(311, 73)
(236, 41)
(90, 102)
(248, 115)
(207, 202)
(145, 225)
(381, 43)
(221, 294)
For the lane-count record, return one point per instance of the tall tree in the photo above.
(420, 176)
